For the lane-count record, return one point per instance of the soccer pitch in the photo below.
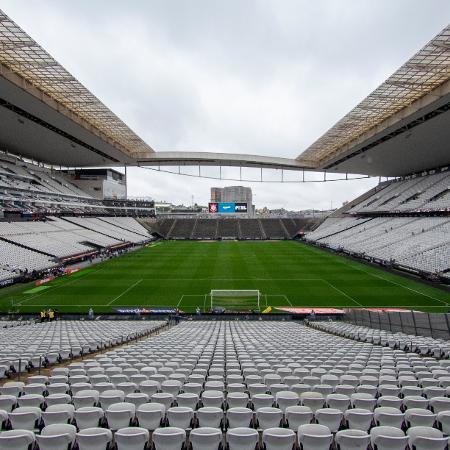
(180, 273)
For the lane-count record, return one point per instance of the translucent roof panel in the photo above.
(426, 70)
(27, 59)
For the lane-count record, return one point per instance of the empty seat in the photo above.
(269, 417)
(150, 415)
(210, 416)
(58, 414)
(426, 438)
(241, 438)
(180, 417)
(94, 438)
(314, 437)
(388, 438)
(239, 417)
(352, 439)
(16, 439)
(205, 438)
(133, 438)
(278, 438)
(88, 417)
(120, 415)
(56, 437)
(169, 438)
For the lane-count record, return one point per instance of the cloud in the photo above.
(259, 76)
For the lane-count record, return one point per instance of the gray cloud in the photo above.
(265, 77)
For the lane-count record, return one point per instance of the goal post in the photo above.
(233, 299)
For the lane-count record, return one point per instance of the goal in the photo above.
(234, 299)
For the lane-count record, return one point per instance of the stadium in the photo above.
(125, 328)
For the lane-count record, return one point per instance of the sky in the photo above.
(265, 77)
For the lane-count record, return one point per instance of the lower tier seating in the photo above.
(245, 385)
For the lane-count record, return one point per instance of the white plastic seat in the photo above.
(88, 417)
(58, 414)
(387, 416)
(162, 397)
(150, 415)
(7, 402)
(269, 417)
(188, 399)
(137, 398)
(111, 396)
(241, 438)
(119, 415)
(149, 387)
(439, 404)
(205, 438)
(85, 397)
(358, 418)
(31, 400)
(338, 401)
(35, 388)
(278, 438)
(132, 438)
(390, 401)
(314, 400)
(239, 417)
(56, 437)
(94, 438)
(210, 416)
(180, 417)
(298, 415)
(24, 418)
(363, 401)
(14, 388)
(426, 438)
(16, 439)
(57, 399)
(329, 417)
(262, 401)
(212, 398)
(169, 438)
(286, 398)
(314, 437)
(237, 399)
(352, 440)
(419, 417)
(388, 438)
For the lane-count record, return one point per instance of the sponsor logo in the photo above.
(213, 207)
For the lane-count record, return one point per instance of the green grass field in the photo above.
(181, 273)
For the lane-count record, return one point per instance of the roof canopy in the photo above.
(428, 69)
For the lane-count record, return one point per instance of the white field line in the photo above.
(341, 292)
(124, 292)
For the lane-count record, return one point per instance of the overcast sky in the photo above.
(265, 77)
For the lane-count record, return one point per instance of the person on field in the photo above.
(51, 315)
(91, 313)
(42, 315)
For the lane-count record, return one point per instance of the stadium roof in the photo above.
(419, 77)
(24, 62)
(46, 114)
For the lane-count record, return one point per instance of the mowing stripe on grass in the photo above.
(57, 287)
(394, 283)
(36, 289)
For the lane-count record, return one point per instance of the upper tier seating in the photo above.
(419, 193)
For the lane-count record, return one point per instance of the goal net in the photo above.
(248, 299)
